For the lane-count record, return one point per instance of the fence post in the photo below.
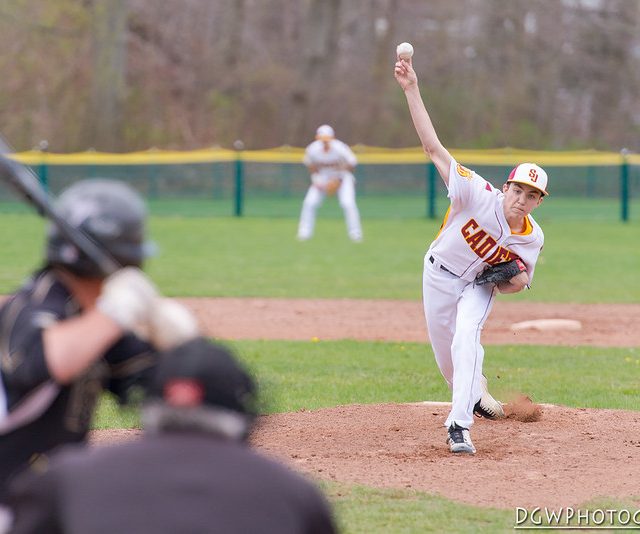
(239, 187)
(431, 190)
(43, 168)
(624, 186)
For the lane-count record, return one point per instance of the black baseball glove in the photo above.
(501, 272)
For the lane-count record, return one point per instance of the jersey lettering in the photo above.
(500, 255)
(481, 243)
(485, 246)
(475, 239)
(468, 227)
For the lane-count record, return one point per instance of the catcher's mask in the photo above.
(202, 374)
(110, 213)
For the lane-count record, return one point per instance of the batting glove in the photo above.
(171, 324)
(128, 297)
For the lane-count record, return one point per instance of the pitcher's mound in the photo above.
(522, 408)
(565, 458)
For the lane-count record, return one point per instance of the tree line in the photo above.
(122, 75)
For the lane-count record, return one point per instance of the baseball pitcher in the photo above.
(330, 162)
(488, 242)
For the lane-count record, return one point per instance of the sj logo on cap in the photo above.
(533, 174)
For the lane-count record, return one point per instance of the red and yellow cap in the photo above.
(530, 174)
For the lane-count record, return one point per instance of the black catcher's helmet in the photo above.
(204, 374)
(111, 213)
(200, 385)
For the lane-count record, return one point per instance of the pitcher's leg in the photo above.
(439, 298)
(312, 201)
(467, 353)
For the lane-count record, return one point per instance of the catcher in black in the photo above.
(192, 471)
(68, 332)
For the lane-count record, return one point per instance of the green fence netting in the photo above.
(390, 183)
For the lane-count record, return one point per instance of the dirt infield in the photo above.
(603, 325)
(564, 459)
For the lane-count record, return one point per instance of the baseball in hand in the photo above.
(404, 50)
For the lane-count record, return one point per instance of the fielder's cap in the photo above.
(200, 373)
(325, 132)
(530, 174)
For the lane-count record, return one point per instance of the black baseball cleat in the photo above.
(489, 409)
(487, 406)
(459, 440)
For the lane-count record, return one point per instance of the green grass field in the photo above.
(582, 261)
(586, 260)
(295, 375)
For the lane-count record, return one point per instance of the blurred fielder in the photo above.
(330, 162)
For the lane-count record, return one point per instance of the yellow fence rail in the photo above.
(366, 154)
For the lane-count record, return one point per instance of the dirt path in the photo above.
(566, 458)
(603, 325)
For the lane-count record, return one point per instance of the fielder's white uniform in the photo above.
(329, 164)
(474, 234)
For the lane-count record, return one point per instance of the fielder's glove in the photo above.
(332, 186)
(501, 272)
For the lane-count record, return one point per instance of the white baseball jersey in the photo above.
(330, 162)
(475, 232)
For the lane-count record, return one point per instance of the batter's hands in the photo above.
(404, 73)
(128, 297)
(171, 324)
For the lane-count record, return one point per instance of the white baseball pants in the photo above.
(456, 311)
(346, 196)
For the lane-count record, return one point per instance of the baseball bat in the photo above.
(24, 181)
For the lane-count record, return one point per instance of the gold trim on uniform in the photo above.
(526, 229)
(463, 171)
(444, 221)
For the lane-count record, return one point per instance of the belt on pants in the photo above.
(432, 260)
